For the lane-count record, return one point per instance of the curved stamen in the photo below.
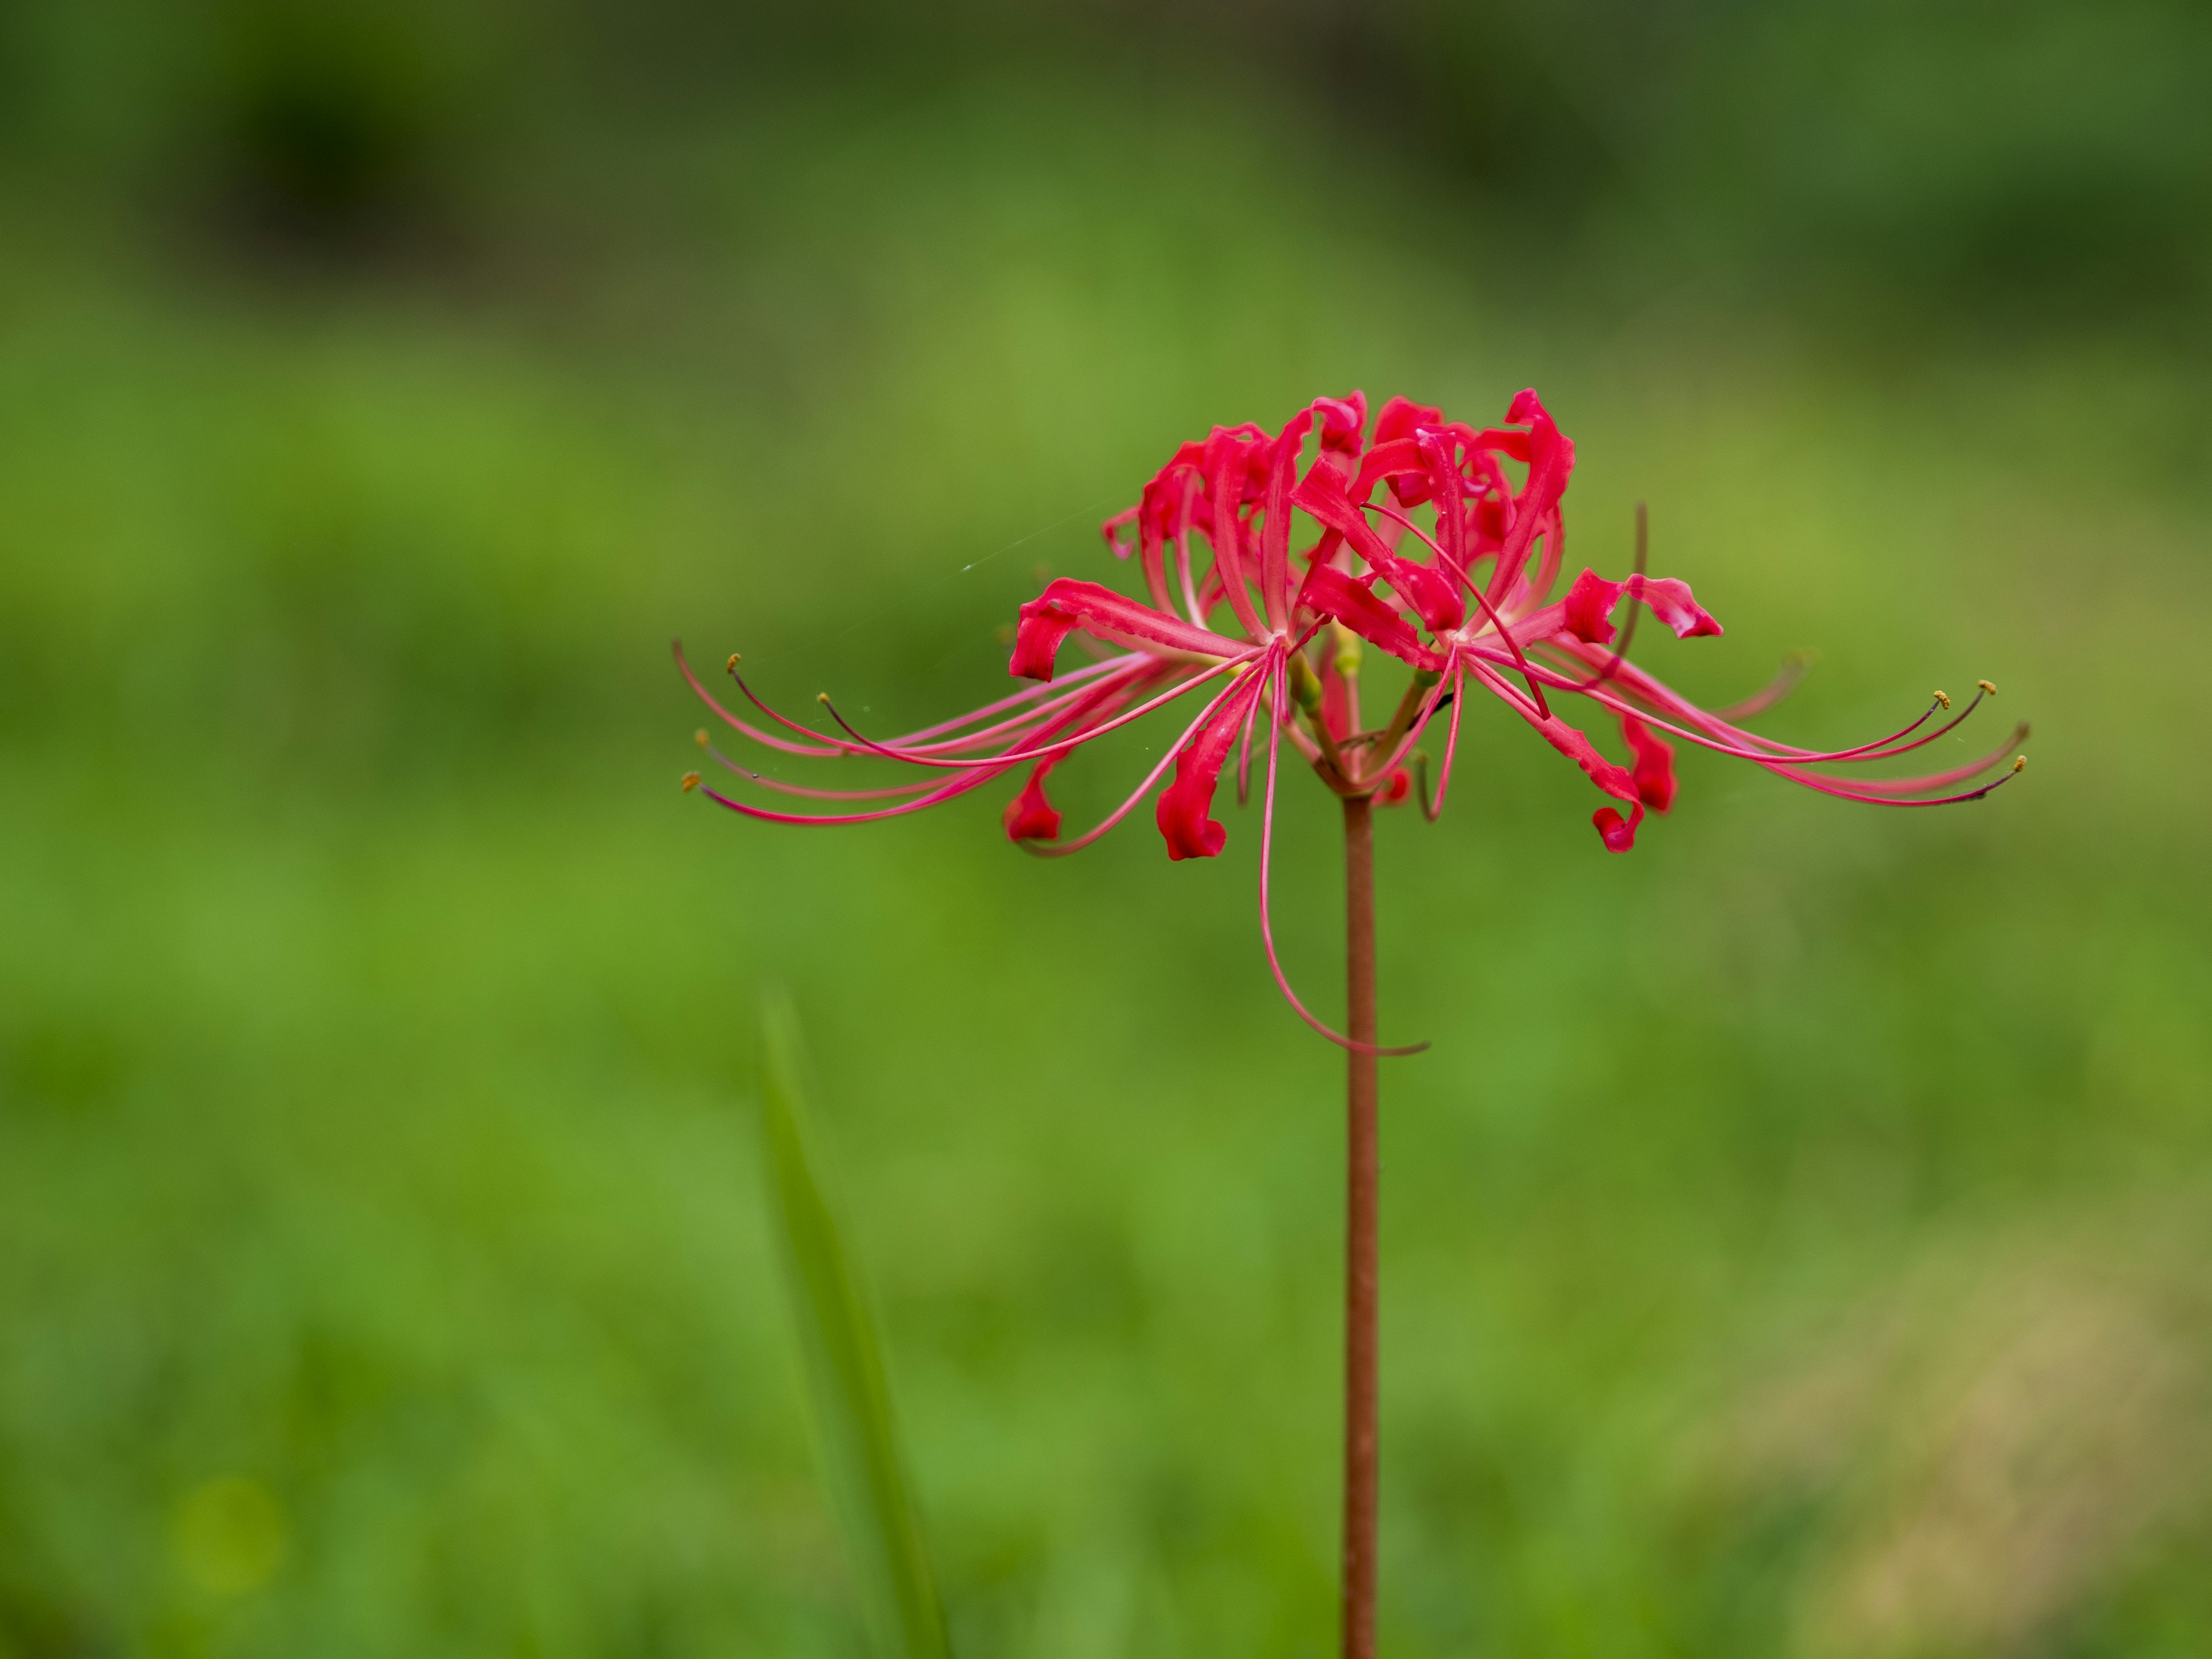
(1940, 780)
(912, 758)
(1267, 928)
(1781, 766)
(944, 792)
(1014, 728)
(781, 787)
(1057, 686)
(785, 745)
(1489, 610)
(1766, 751)
(1830, 787)
(1061, 849)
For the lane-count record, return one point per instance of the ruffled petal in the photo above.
(1591, 601)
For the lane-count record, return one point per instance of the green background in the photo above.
(1795, 1241)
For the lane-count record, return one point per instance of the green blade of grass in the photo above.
(844, 1365)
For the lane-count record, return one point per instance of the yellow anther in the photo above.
(690, 781)
(700, 736)
(822, 697)
(2019, 762)
(731, 667)
(1987, 687)
(1943, 699)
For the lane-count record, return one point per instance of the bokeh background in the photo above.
(1795, 1243)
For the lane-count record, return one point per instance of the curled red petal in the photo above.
(1618, 833)
(1185, 813)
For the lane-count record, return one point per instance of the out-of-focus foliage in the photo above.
(848, 1385)
(1794, 1242)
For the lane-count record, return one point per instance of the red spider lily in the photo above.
(1470, 606)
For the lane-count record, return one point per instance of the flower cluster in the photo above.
(1426, 550)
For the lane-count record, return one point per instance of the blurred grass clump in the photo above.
(1794, 1242)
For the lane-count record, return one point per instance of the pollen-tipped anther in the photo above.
(2019, 763)
(1943, 698)
(700, 736)
(690, 781)
(1987, 688)
(731, 667)
(822, 697)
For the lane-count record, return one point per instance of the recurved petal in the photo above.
(1185, 813)
(1068, 604)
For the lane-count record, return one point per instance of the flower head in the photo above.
(1272, 637)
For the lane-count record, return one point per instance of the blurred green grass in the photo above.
(1794, 1242)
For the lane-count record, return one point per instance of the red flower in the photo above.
(1468, 606)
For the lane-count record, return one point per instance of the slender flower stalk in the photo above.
(1452, 570)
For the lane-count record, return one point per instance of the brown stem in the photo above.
(1362, 1167)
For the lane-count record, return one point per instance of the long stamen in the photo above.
(1267, 928)
(1940, 780)
(1762, 750)
(706, 696)
(1061, 849)
(944, 792)
(1054, 687)
(783, 787)
(1830, 787)
(1014, 729)
(1788, 767)
(1061, 748)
